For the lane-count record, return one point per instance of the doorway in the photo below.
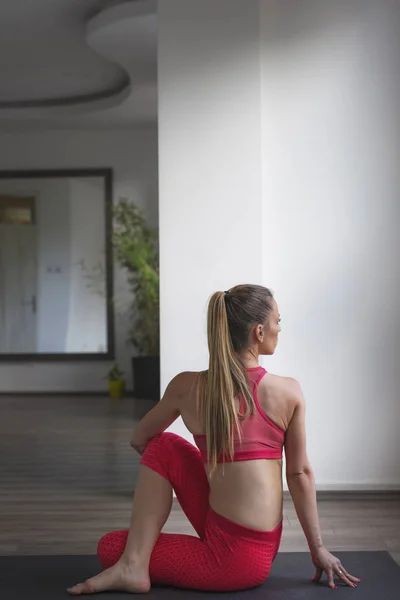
(18, 270)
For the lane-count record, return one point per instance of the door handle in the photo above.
(32, 303)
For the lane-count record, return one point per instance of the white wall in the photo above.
(331, 150)
(132, 154)
(210, 170)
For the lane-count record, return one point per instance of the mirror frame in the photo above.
(107, 174)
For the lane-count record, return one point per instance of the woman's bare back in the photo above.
(247, 492)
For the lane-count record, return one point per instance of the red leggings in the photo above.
(225, 557)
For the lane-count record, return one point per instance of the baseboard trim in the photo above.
(358, 487)
(362, 492)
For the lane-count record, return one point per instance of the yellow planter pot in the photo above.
(116, 388)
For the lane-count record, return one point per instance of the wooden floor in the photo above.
(67, 474)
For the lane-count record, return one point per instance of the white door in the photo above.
(18, 294)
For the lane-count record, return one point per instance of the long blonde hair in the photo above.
(230, 317)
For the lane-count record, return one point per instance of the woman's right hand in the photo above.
(138, 443)
(325, 561)
(140, 448)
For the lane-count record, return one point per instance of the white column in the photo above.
(331, 225)
(210, 168)
(279, 164)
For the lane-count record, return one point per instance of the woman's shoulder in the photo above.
(287, 385)
(281, 395)
(184, 382)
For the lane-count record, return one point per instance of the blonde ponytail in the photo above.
(220, 386)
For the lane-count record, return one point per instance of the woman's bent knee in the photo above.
(165, 441)
(163, 449)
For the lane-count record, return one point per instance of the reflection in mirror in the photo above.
(53, 233)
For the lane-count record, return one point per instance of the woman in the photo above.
(231, 486)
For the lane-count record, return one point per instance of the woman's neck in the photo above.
(249, 358)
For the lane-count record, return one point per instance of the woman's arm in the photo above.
(301, 483)
(162, 415)
(299, 474)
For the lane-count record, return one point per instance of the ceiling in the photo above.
(80, 63)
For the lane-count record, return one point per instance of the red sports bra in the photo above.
(261, 437)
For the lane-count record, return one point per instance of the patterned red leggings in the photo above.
(225, 557)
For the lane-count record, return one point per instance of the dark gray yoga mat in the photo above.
(46, 577)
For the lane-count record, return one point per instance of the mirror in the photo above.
(56, 265)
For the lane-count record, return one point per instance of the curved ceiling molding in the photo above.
(112, 70)
(126, 33)
(95, 99)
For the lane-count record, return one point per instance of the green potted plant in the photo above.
(116, 382)
(135, 245)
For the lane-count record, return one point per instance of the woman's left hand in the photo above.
(325, 561)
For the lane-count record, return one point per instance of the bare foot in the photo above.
(121, 577)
